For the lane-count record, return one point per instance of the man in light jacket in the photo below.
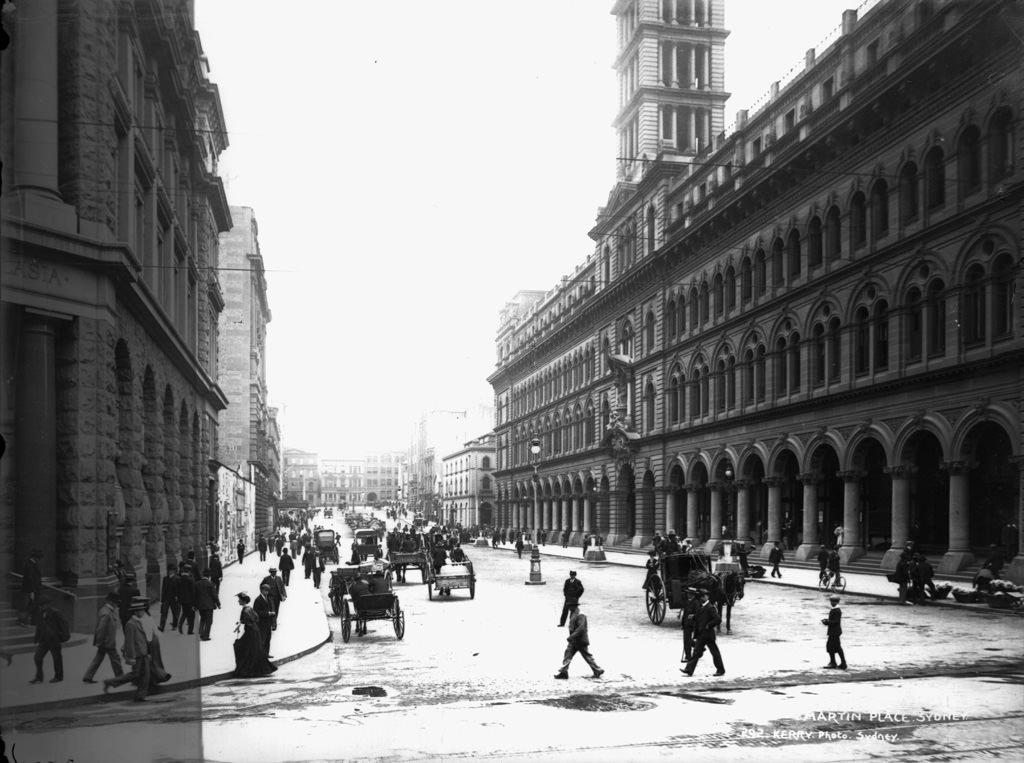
(105, 639)
(578, 641)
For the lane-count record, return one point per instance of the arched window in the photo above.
(746, 281)
(719, 295)
(833, 234)
(820, 360)
(1003, 293)
(936, 325)
(607, 266)
(485, 483)
(681, 315)
(649, 333)
(705, 299)
(730, 288)
(675, 399)
(760, 276)
(861, 341)
(650, 230)
(730, 383)
(779, 362)
(793, 351)
(935, 178)
(793, 254)
(778, 264)
(858, 221)
(670, 319)
(1000, 145)
(649, 407)
(606, 414)
(914, 330)
(814, 242)
(588, 424)
(748, 378)
(705, 391)
(720, 387)
(973, 320)
(968, 155)
(908, 194)
(694, 308)
(695, 394)
(485, 462)
(760, 373)
(834, 350)
(879, 210)
(626, 342)
(881, 342)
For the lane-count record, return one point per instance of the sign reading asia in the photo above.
(45, 273)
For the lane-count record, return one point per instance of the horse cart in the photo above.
(340, 580)
(451, 577)
(371, 606)
(667, 588)
(401, 561)
(327, 545)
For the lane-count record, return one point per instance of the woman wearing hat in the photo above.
(835, 630)
(250, 655)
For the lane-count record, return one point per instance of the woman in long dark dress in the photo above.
(250, 656)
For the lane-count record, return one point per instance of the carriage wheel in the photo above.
(346, 622)
(840, 583)
(656, 604)
(472, 589)
(336, 603)
(399, 621)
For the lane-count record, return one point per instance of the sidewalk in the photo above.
(302, 628)
(797, 577)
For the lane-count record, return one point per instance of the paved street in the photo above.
(473, 678)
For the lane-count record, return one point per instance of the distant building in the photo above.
(301, 478)
(344, 481)
(384, 476)
(109, 298)
(246, 441)
(469, 485)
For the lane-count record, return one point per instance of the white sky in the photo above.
(412, 165)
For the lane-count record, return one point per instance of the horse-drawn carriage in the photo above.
(402, 560)
(327, 544)
(379, 603)
(667, 587)
(449, 578)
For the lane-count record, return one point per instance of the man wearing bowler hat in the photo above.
(277, 593)
(136, 652)
(707, 623)
(105, 639)
(835, 629)
(572, 590)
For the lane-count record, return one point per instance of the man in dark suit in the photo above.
(240, 548)
(169, 599)
(264, 608)
(835, 630)
(578, 641)
(286, 564)
(775, 558)
(690, 608)
(206, 601)
(31, 585)
(261, 546)
(216, 572)
(136, 652)
(277, 593)
(572, 590)
(187, 599)
(707, 623)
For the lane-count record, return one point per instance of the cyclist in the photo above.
(822, 563)
(833, 568)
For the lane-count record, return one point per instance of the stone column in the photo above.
(538, 513)
(774, 516)
(959, 554)
(674, 65)
(707, 80)
(809, 547)
(35, 443)
(670, 509)
(716, 517)
(568, 504)
(900, 477)
(644, 517)
(852, 547)
(743, 511)
(588, 512)
(692, 73)
(691, 512)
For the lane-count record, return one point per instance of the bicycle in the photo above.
(832, 582)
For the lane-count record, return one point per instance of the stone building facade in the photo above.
(246, 441)
(811, 325)
(109, 300)
(469, 485)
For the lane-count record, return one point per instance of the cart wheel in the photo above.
(336, 604)
(656, 603)
(346, 622)
(840, 583)
(430, 592)
(472, 589)
(399, 622)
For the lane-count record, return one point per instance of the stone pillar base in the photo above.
(34, 207)
(891, 559)
(807, 551)
(953, 561)
(482, 542)
(615, 540)
(1015, 570)
(848, 554)
(641, 541)
(595, 554)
